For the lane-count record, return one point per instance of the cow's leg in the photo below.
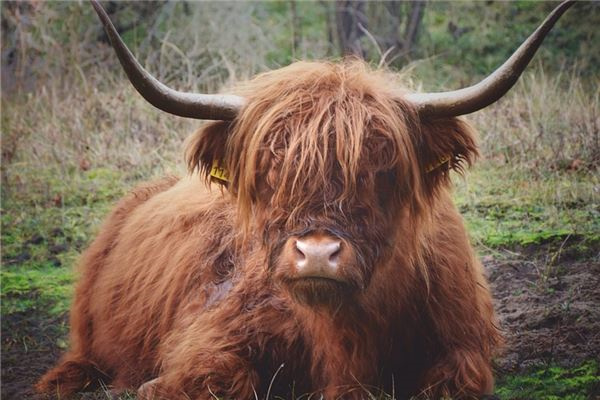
(72, 374)
(214, 352)
(462, 374)
(461, 312)
(202, 363)
(148, 390)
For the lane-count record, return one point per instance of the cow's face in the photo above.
(326, 164)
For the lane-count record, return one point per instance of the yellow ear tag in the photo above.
(218, 172)
(221, 173)
(440, 162)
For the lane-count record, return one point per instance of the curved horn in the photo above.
(492, 88)
(191, 105)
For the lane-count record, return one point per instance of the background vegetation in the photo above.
(76, 136)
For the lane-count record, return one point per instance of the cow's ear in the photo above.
(206, 148)
(446, 144)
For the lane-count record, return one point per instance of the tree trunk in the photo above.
(413, 25)
(296, 29)
(350, 18)
(329, 25)
(400, 28)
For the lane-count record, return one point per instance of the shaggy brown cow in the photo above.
(332, 261)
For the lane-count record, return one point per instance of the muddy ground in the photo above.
(548, 306)
(550, 314)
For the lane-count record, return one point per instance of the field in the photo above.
(76, 138)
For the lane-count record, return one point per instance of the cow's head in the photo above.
(326, 161)
(330, 163)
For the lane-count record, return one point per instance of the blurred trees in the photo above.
(61, 80)
(140, 11)
(392, 28)
(203, 45)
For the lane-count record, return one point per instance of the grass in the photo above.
(505, 206)
(45, 227)
(552, 383)
(45, 286)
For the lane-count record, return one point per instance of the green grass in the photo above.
(27, 290)
(508, 207)
(44, 229)
(552, 383)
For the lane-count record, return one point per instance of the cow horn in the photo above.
(492, 88)
(190, 105)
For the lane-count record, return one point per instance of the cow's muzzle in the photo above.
(318, 268)
(316, 256)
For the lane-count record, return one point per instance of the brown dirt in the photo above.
(549, 312)
(29, 348)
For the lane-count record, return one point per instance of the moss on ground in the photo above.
(552, 383)
(48, 287)
(507, 207)
(46, 223)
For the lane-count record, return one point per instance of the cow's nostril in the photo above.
(300, 256)
(333, 257)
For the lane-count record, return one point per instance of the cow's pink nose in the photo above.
(317, 257)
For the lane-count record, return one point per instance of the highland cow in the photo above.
(331, 261)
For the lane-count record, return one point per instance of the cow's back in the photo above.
(153, 255)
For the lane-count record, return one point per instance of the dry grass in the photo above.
(82, 127)
(546, 122)
(70, 107)
(67, 107)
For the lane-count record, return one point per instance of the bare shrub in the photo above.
(66, 103)
(549, 122)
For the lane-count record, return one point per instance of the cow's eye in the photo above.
(384, 186)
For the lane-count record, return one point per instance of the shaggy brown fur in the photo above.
(186, 288)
